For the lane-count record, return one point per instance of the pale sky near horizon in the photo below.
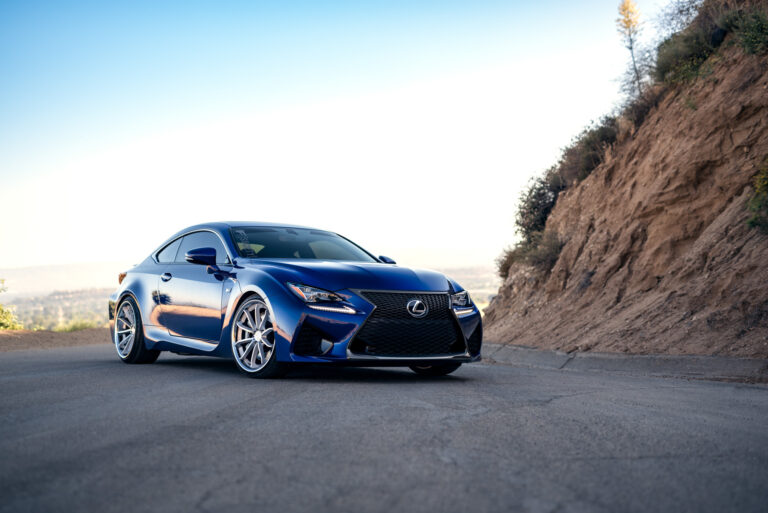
(409, 127)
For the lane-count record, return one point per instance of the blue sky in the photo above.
(324, 108)
(88, 65)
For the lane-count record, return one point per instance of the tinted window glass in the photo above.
(278, 242)
(202, 240)
(168, 253)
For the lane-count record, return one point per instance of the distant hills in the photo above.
(65, 296)
(42, 280)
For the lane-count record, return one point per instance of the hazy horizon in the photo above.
(45, 279)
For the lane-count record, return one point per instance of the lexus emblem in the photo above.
(417, 308)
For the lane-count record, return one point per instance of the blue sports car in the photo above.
(271, 295)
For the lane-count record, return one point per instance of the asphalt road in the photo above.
(81, 431)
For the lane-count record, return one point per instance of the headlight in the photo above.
(312, 294)
(461, 299)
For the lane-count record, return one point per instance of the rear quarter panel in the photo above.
(141, 283)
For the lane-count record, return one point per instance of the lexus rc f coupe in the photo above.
(271, 295)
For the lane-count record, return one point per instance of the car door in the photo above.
(192, 297)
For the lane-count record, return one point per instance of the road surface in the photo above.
(81, 431)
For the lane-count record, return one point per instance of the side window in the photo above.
(202, 240)
(168, 253)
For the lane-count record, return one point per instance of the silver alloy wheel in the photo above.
(253, 336)
(125, 329)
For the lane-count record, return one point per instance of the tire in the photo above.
(253, 340)
(438, 369)
(129, 334)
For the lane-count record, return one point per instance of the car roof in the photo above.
(230, 224)
(223, 226)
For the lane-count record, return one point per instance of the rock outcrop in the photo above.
(658, 255)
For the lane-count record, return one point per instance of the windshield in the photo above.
(278, 242)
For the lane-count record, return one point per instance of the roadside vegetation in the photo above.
(758, 204)
(8, 320)
(61, 311)
(692, 31)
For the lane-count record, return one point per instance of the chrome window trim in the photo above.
(162, 248)
(223, 243)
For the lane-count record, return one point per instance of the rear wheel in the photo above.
(438, 369)
(253, 340)
(129, 337)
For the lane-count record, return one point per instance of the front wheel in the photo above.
(438, 369)
(253, 340)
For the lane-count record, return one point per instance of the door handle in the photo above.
(166, 276)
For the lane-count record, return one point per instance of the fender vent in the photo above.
(308, 341)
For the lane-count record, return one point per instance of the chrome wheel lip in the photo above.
(125, 329)
(253, 336)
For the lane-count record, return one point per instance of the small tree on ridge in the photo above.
(629, 27)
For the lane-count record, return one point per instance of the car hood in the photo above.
(336, 275)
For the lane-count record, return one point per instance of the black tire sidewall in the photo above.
(139, 352)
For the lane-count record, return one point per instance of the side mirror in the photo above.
(202, 256)
(386, 260)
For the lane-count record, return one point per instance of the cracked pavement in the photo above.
(81, 431)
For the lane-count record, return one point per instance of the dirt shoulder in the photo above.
(24, 339)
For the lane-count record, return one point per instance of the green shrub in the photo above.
(578, 160)
(751, 30)
(638, 107)
(758, 204)
(544, 251)
(508, 257)
(587, 150)
(536, 203)
(540, 252)
(730, 20)
(680, 56)
(8, 319)
(76, 325)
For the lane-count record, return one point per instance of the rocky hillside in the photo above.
(658, 256)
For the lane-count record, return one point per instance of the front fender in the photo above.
(283, 306)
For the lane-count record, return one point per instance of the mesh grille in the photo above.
(392, 331)
(391, 305)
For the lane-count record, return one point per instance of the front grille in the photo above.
(392, 331)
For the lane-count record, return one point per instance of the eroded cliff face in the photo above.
(658, 255)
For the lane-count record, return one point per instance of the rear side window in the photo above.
(202, 240)
(168, 253)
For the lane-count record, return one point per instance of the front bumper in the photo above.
(334, 337)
